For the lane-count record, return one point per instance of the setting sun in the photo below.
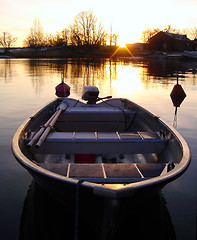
(125, 36)
(122, 39)
(121, 43)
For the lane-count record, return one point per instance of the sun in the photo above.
(125, 36)
(121, 43)
(122, 40)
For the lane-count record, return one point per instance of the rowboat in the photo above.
(109, 147)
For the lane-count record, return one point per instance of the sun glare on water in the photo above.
(128, 82)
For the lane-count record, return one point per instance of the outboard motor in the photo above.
(90, 94)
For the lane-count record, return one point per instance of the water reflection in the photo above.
(169, 68)
(33, 81)
(103, 72)
(77, 72)
(6, 71)
(44, 218)
(99, 72)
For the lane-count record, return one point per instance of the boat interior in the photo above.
(108, 142)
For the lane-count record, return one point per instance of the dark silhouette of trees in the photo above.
(170, 29)
(59, 39)
(148, 33)
(193, 33)
(86, 31)
(35, 37)
(63, 37)
(115, 39)
(7, 40)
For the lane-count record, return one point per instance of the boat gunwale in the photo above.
(105, 190)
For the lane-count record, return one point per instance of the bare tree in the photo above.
(86, 31)
(7, 40)
(35, 37)
(75, 35)
(148, 33)
(115, 39)
(193, 33)
(170, 29)
(48, 40)
(62, 38)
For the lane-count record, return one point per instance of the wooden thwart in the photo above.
(102, 143)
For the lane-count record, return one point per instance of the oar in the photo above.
(62, 107)
(39, 133)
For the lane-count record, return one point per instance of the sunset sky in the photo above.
(127, 17)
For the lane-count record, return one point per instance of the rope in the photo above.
(77, 208)
(124, 113)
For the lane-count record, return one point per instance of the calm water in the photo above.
(27, 85)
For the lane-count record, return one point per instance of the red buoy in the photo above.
(177, 95)
(62, 89)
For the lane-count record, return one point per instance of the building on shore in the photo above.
(170, 42)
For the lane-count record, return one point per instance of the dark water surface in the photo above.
(27, 85)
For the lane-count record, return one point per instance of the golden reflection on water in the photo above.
(128, 81)
(32, 81)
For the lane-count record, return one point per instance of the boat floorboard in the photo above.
(106, 172)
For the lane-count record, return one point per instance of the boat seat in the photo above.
(94, 118)
(102, 143)
(107, 173)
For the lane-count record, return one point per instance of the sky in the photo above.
(128, 18)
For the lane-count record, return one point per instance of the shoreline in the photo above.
(92, 52)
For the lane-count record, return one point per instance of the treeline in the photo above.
(84, 30)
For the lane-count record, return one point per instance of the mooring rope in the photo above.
(77, 207)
